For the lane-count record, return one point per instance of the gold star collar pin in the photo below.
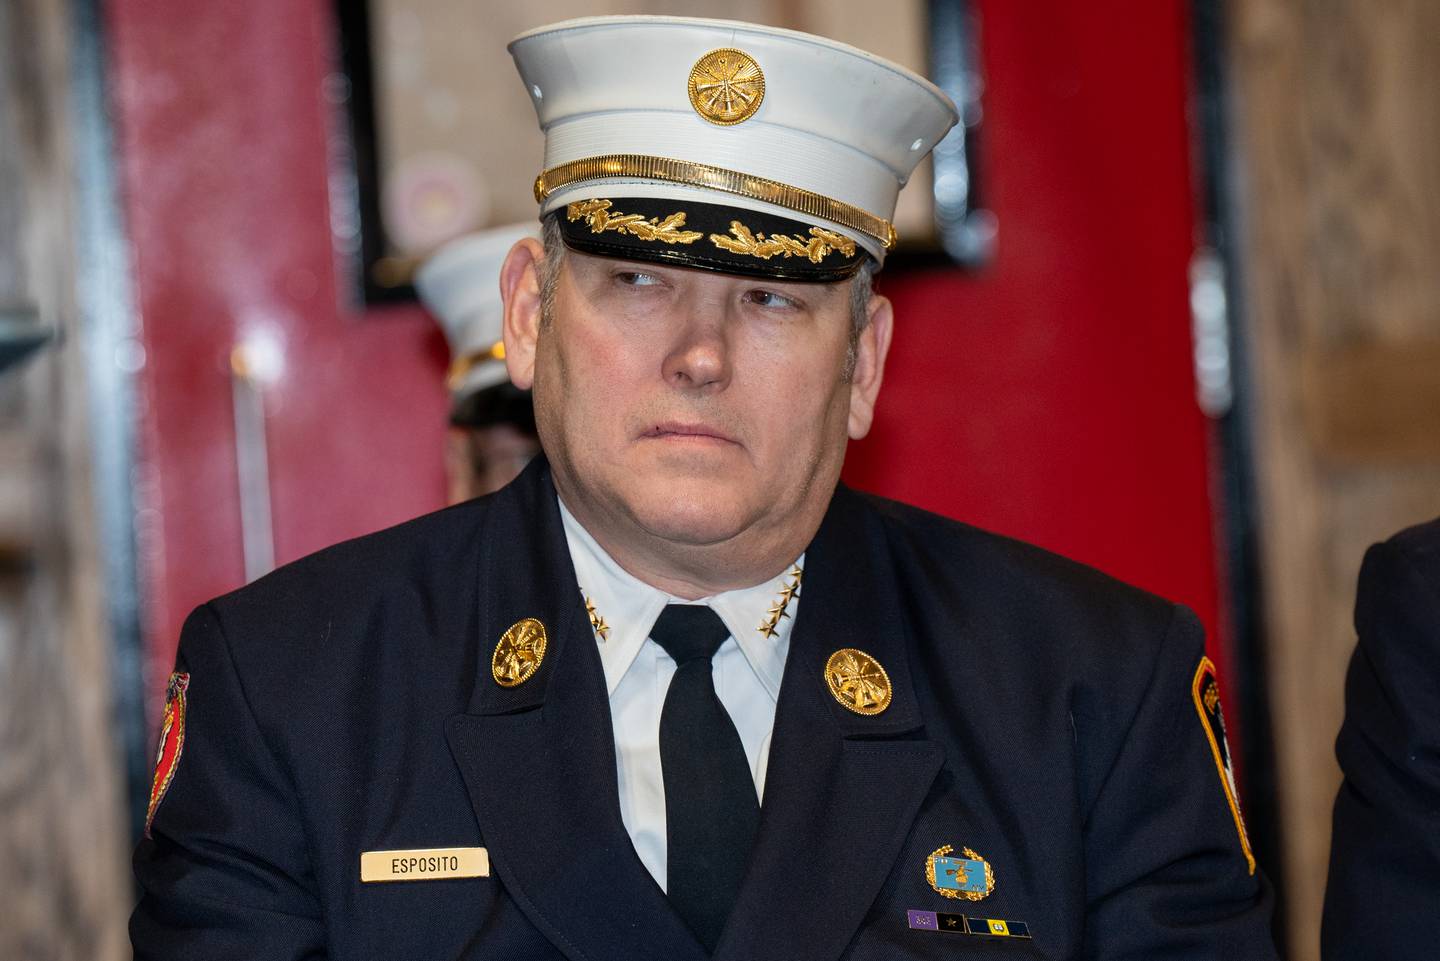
(597, 623)
(770, 626)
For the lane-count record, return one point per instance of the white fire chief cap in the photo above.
(724, 145)
(460, 285)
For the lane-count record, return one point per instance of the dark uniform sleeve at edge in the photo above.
(225, 874)
(1382, 897)
(1166, 873)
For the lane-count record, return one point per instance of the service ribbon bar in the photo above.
(963, 924)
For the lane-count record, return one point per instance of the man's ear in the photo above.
(870, 353)
(520, 292)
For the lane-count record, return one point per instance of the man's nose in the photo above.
(700, 355)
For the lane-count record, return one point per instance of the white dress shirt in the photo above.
(747, 671)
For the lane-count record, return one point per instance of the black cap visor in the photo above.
(717, 237)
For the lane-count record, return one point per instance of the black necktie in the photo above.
(711, 811)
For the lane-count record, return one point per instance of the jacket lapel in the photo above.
(539, 759)
(842, 789)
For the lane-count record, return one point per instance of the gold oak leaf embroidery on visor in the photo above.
(821, 244)
(597, 214)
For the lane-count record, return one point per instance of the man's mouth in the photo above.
(688, 432)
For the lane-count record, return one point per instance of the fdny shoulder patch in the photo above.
(1206, 691)
(172, 742)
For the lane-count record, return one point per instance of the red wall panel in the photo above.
(223, 138)
(1051, 396)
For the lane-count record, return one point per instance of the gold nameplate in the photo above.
(426, 864)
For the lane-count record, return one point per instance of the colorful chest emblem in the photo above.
(970, 877)
(172, 742)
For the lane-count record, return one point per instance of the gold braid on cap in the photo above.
(715, 178)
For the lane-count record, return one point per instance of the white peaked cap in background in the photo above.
(460, 285)
(833, 122)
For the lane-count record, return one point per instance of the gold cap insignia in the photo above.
(518, 653)
(726, 86)
(970, 877)
(858, 681)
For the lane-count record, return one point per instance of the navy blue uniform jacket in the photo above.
(1042, 717)
(1383, 896)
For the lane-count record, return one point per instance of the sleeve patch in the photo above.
(172, 742)
(1206, 691)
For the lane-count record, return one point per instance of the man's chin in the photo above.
(684, 515)
(684, 458)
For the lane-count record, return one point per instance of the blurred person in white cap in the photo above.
(676, 692)
(492, 422)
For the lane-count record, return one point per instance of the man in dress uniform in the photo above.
(492, 422)
(1383, 895)
(675, 692)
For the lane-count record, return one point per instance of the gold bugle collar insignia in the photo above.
(858, 681)
(518, 653)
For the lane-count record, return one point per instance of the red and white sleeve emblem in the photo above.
(172, 742)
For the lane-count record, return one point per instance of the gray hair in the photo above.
(549, 268)
(862, 288)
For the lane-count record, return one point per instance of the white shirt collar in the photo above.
(629, 608)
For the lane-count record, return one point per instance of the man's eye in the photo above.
(768, 298)
(633, 278)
